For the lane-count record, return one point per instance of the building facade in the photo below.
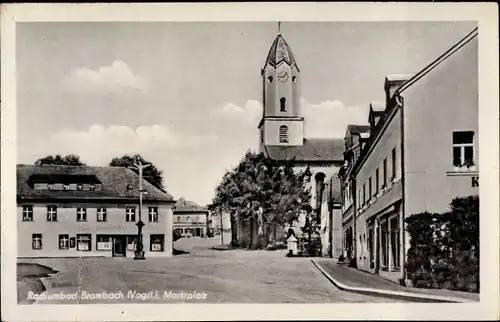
(421, 153)
(77, 211)
(282, 129)
(190, 219)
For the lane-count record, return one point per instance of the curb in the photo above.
(415, 297)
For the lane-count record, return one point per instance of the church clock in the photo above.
(283, 77)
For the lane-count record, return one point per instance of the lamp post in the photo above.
(139, 252)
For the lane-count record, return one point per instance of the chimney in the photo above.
(392, 83)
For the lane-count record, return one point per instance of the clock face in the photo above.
(283, 77)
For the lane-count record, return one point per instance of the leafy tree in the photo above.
(262, 190)
(151, 174)
(70, 159)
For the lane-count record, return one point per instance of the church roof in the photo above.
(279, 52)
(312, 150)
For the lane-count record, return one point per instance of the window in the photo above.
(294, 78)
(92, 187)
(364, 193)
(103, 242)
(157, 242)
(153, 214)
(81, 214)
(101, 214)
(384, 182)
(83, 242)
(270, 79)
(393, 163)
(197, 219)
(50, 186)
(63, 241)
(66, 187)
(370, 188)
(283, 134)
(79, 187)
(178, 218)
(27, 213)
(463, 149)
(131, 242)
(130, 213)
(51, 213)
(283, 104)
(376, 181)
(261, 136)
(36, 240)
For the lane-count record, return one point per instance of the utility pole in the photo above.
(139, 252)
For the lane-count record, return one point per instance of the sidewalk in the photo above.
(355, 280)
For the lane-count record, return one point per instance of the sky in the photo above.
(187, 95)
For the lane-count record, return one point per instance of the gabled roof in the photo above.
(183, 205)
(114, 180)
(280, 52)
(377, 107)
(326, 150)
(358, 129)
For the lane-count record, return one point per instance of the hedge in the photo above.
(444, 247)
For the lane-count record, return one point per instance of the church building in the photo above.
(282, 135)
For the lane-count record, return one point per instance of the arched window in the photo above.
(283, 104)
(283, 134)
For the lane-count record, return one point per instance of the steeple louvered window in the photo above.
(283, 134)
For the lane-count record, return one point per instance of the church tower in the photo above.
(282, 123)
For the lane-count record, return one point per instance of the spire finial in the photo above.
(279, 27)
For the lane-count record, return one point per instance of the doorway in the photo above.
(119, 246)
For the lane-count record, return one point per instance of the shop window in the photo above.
(103, 242)
(83, 242)
(157, 242)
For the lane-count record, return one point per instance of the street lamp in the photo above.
(139, 252)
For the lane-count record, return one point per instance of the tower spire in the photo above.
(279, 27)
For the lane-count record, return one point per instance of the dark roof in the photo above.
(279, 52)
(114, 182)
(312, 150)
(334, 183)
(63, 178)
(357, 129)
(187, 206)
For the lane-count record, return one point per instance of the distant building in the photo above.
(421, 153)
(282, 129)
(66, 211)
(190, 219)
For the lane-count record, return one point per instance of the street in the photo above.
(235, 276)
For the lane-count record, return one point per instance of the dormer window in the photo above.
(129, 187)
